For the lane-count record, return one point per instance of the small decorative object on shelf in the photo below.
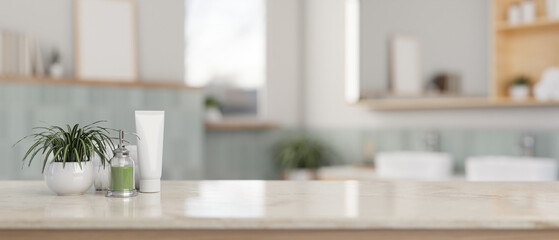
(122, 172)
(514, 14)
(56, 70)
(547, 89)
(20, 55)
(300, 158)
(446, 83)
(520, 88)
(528, 11)
(552, 8)
(67, 155)
(213, 112)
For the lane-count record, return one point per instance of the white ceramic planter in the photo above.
(300, 175)
(519, 92)
(70, 180)
(213, 114)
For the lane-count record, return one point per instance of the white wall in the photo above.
(305, 63)
(452, 36)
(282, 97)
(162, 48)
(324, 84)
(160, 32)
(161, 40)
(50, 22)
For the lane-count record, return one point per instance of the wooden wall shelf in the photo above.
(521, 50)
(239, 125)
(518, 50)
(538, 24)
(109, 83)
(452, 103)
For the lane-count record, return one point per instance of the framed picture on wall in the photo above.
(405, 66)
(106, 40)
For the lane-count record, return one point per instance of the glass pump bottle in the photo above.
(122, 172)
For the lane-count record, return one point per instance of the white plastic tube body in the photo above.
(149, 127)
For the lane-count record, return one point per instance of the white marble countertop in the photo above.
(224, 205)
(359, 173)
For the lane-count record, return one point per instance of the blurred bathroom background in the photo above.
(399, 89)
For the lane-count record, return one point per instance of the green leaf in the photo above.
(64, 157)
(33, 156)
(45, 160)
(74, 131)
(302, 152)
(72, 144)
(57, 154)
(78, 157)
(30, 150)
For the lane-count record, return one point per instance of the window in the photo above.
(225, 51)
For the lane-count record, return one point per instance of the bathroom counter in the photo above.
(294, 210)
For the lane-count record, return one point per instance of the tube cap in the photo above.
(150, 186)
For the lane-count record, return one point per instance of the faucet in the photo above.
(432, 143)
(527, 145)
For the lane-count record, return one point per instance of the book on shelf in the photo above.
(37, 66)
(7, 53)
(1, 53)
(20, 55)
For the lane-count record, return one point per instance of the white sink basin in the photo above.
(511, 169)
(423, 166)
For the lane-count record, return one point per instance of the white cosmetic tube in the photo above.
(149, 127)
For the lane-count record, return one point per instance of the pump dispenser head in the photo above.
(121, 150)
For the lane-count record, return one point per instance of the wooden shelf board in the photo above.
(451, 103)
(540, 23)
(106, 82)
(238, 125)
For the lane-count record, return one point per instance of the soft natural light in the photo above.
(352, 51)
(225, 43)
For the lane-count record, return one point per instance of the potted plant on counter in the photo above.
(519, 88)
(66, 154)
(300, 158)
(213, 110)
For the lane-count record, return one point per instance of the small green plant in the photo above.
(303, 153)
(212, 102)
(73, 144)
(521, 81)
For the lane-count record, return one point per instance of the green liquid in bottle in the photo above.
(122, 178)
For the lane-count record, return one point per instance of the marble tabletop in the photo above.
(225, 205)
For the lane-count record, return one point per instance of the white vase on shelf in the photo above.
(514, 14)
(551, 8)
(213, 114)
(56, 70)
(519, 92)
(528, 11)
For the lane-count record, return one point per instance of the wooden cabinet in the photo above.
(524, 49)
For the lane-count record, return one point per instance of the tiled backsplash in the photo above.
(248, 154)
(242, 154)
(24, 106)
(190, 153)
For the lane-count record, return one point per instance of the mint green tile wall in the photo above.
(242, 154)
(248, 155)
(24, 106)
